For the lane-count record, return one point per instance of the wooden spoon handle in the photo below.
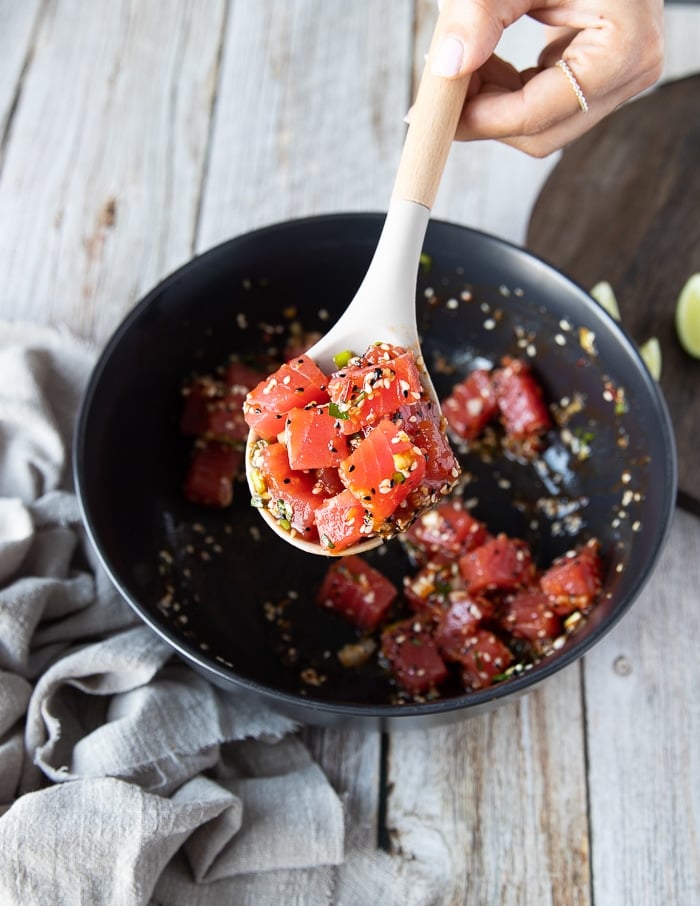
(430, 134)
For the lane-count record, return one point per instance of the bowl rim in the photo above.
(470, 702)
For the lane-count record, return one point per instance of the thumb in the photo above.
(468, 32)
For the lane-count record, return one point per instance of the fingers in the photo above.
(536, 106)
(547, 111)
(614, 50)
(471, 31)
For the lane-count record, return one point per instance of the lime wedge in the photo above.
(651, 353)
(604, 295)
(688, 316)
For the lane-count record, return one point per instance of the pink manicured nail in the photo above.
(448, 57)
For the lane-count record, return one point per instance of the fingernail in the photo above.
(447, 60)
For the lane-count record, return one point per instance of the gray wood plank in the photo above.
(644, 728)
(17, 26)
(682, 33)
(100, 185)
(493, 810)
(309, 117)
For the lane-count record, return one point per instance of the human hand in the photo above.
(612, 49)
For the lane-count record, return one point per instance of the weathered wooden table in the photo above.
(134, 135)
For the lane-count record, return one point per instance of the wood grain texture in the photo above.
(101, 181)
(309, 117)
(431, 131)
(17, 25)
(643, 732)
(622, 205)
(495, 808)
(682, 33)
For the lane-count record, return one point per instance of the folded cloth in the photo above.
(122, 771)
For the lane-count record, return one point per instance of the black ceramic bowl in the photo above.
(211, 582)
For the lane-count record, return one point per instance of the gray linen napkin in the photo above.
(122, 772)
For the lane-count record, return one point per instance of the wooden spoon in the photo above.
(384, 307)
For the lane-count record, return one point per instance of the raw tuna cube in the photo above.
(295, 384)
(520, 399)
(382, 471)
(471, 405)
(484, 660)
(292, 497)
(413, 656)
(314, 439)
(341, 521)
(240, 378)
(426, 427)
(458, 626)
(225, 421)
(211, 472)
(357, 591)
(528, 614)
(363, 395)
(445, 532)
(501, 564)
(573, 581)
(198, 396)
(429, 589)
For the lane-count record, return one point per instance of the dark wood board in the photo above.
(623, 205)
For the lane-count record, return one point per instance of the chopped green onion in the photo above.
(257, 502)
(285, 524)
(398, 478)
(510, 672)
(284, 511)
(586, 437)
(341, 359)
(326, 542)
(335, 411)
